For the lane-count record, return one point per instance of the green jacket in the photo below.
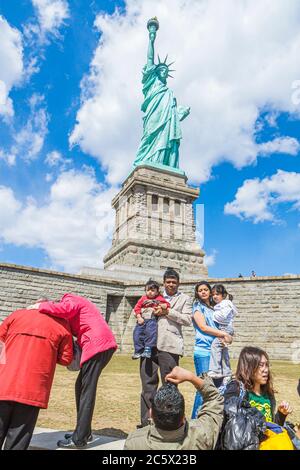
(195, 434)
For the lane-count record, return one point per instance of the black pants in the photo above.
(145, 335)
(17, 422)
(149, 376)
(85, 394)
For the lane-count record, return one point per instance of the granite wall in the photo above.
(269, 308)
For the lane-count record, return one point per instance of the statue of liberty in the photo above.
(161, 122)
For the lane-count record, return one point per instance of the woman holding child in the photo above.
(206, 332)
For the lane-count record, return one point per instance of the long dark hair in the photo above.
(197, 298)
(247, 366)
(220, 289)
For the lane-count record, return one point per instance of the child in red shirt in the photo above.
(145, 331)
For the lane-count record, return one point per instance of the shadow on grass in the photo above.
(111, 432)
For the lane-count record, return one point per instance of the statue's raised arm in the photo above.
(152, 27)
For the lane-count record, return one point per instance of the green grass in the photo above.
(118, 407)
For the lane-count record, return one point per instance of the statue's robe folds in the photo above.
(162, 134)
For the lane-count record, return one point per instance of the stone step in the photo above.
(46, 439)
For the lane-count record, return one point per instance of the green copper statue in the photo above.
(159, 146)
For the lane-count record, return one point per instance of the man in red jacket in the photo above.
(98, 345)
(34, 344)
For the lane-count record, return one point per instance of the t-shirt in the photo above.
(262, 403)
(203, 340)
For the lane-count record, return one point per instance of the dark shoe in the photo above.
(69, 435)
(136, 355)
(69, 444)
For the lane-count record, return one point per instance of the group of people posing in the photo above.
(158, 333)
(34, 339)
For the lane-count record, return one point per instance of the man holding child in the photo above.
(165, 356)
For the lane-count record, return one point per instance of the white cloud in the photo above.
(287, 145)
(257, 199)
(73, 226)
(232, 62)
(29, 140)
(251, 202)
(11, 68)
(9, 158)
(38, 32)
(271, 118)
(53, 158)
(56, 160)
(51, 15)
(9, 206)
(210, 260)
(6, 107)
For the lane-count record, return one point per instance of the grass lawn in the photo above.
(117, 407)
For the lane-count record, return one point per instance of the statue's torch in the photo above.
(152, 26)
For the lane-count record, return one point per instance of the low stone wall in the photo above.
(269, 308)
(269, 314)
(21, 286)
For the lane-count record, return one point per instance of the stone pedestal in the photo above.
(154, 226)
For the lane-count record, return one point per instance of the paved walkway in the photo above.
(46, 439)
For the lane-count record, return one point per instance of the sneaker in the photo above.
(147, 353)
(90, 439)
(69, 444)
(136, 355)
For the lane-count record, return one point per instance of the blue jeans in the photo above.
(201, 365)
(145, 335)
(219, 356)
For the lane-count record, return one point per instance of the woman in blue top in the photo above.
(206, 331)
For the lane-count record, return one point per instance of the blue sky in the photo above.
(70, 124)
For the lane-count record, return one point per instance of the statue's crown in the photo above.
(164, 64)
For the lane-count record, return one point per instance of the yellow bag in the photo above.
(276, 440)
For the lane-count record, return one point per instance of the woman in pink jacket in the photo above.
(98, 345)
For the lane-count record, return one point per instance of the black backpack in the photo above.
(243, 426)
